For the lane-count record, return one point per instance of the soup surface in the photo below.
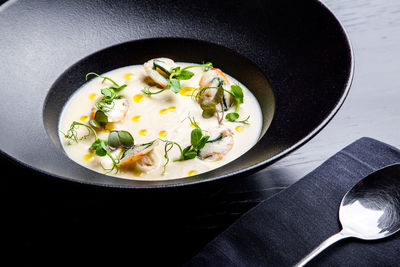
(161, 120)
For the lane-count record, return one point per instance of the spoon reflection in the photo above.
(370, 210)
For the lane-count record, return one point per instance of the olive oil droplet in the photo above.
(136, 173)
(162, 133)
(192, 172)
(136, 118)
(163, 111)
(92, 96)
(239, 129)
(84, 118)
(87, 157)
(143, 132)
(187, 91)
(128, 76)
(138, 98)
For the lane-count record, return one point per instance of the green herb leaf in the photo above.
(233, 116)
(191, 154)
(101, 118)
(195, 137)
(237, 93)
(185, 75)
(174, 75)
(94, 123)
(113, 140)
(118, 139)
(99, 145)
(125, 139)
(101, 150)
(106, 92)
(202, 142)
(109, 94)
(174, 85)
(209, 109)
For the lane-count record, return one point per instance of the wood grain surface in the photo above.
(176, 228)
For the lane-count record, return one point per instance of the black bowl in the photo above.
(297, 48)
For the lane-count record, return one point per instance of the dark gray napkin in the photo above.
(286, 227)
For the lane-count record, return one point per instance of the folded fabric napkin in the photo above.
(283, 229)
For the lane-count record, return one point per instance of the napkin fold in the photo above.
(283, 229)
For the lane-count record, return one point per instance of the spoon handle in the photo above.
(332, 239)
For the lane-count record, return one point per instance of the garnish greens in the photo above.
(99, 146)
(106, 103)
(197, 142)
(210, 107)
(237, 93)
(175, 75)
(118, 139)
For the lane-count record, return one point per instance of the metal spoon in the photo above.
(370, 210)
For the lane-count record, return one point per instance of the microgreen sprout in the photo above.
(106, 103)
(197, 141)
(99, 146)
(237, 93)
(175, 75)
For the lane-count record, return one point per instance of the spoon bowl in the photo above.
(370, 210)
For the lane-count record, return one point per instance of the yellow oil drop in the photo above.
(162, 133)
(187, 91)
(143, 132)
(92, 96)
(239, 129)
(194, 125)
(109, 127)
(87, 157)
(128, 76)
(138, 98)
(136, 118)
(84, 118)
(163, 111)
(136, 173)
(171, 108)
(192, 172)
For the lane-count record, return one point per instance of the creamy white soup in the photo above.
(160, 120)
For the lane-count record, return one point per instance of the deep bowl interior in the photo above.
(299, 46)
(138, 52)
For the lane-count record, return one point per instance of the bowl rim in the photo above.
(173, 183)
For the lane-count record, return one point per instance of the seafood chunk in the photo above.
(214, 78)
(117, 110)
(142, 158)
(159, 69)
(218, 145)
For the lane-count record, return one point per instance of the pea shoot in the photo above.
(197, 141)
(237, 93)
(115, 140)
(210, 108)
(106, 103)
(175, 75)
